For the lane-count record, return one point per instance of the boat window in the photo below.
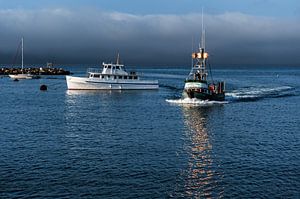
(92, 75)
(113, 68)
(108, 76)
(109, 66)
(96, 75)
(125, 77)
(117, 67)
(120, 77)
(130, 77)
(115, 77)
(135, 77)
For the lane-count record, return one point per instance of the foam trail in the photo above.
(194, 102)
(254, 93)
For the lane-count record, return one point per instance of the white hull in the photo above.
(84, 83)
(22, 76)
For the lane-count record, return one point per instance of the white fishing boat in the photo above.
(23, 75)
(110, 77)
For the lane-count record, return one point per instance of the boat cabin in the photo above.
(110, 76)
(112, 72)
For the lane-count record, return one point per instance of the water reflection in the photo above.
(201, 177)
(91, 92)
(96, 109)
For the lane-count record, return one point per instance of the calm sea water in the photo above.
(151, 144)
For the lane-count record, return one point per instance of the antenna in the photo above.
(192, 50)
(22, 52)
(118, 58)
(203, 32)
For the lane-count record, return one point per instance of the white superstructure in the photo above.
(112, 77)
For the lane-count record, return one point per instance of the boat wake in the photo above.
(195, 102)
(241, 95)
(254, 93)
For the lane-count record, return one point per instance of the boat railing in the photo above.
(94, 70)
(195, 80)
(97, 70)
(133, 73)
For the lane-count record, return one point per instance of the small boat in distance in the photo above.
(23, 75)
(196, 84)
(111, 77)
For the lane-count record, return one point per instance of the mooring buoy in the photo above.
(43, 87)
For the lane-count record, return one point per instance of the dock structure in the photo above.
(34, 71)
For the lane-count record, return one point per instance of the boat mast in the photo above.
(199, 71)
(192, 56)
(203, 55)
(118, 58)
(22, 53)
(203, 33)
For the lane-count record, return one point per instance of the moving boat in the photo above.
(111, 77)
(197, 84)
(23, 75)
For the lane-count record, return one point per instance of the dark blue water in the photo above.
(150, 144)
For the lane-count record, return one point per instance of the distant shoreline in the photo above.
(34, 71)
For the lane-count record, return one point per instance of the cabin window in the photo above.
(115, 77)
(125, 77)
(108, 76)
(109, 67)
(120, 77)
(96, 75)
(117, 67)
(91, 75)
(130, 77)
(135, 77)
(113, 68)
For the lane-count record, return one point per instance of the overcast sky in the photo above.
(151, 32)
